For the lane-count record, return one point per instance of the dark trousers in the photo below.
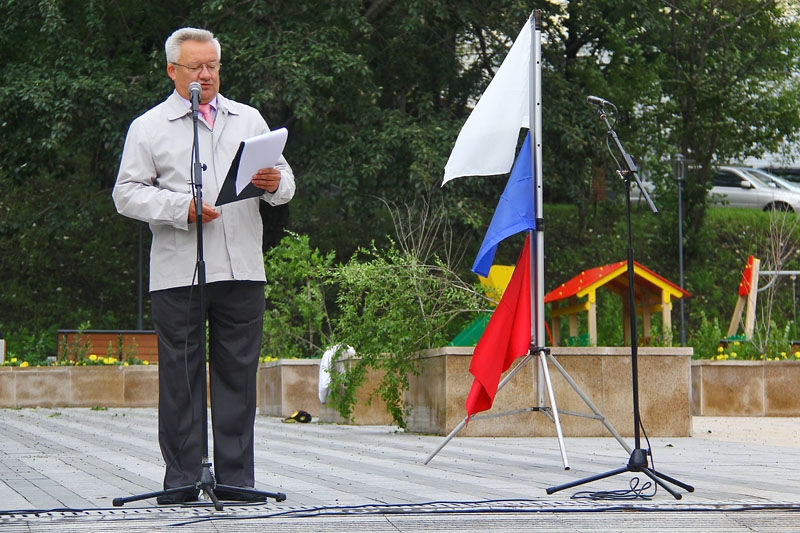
(235, 314)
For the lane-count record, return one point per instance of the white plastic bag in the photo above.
(325, 366)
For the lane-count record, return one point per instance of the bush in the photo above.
(392, 307)
(296, 322)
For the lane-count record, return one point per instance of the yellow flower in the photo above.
(145, 362)
(125, 363)
(733, 354)
(23, 364)
(13, 359)
(720, 349)
(93, 357)
(783, 355)
(737, 343)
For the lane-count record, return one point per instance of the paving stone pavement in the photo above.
(60, 470)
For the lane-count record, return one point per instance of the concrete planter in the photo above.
(672, 388)
(79, 386)
(745, 388)
(602, 373)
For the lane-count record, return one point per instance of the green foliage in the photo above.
(69, 91)
(374, 94)
(392, 307)
(389, 305)
(77, 349)
(34, 348)
(706, 337)
(296, 322)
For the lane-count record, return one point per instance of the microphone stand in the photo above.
(206, 483)
(638, 461)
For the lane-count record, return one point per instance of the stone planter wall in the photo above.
(672, 388)
(79, 386)
(602, 374)
(746, 388)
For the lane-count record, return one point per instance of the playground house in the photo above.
(653, 295)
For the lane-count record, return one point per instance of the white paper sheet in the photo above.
(262, 151)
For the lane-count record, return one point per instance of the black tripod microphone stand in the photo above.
(638, 461)
(206, 483)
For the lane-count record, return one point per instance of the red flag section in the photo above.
(506, 337)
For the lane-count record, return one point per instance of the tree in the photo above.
(373, 94)
(75, 73)
(728, 86)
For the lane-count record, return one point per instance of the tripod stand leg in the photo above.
(208, 486)
(684, 486)
(118, 502)
(207, 483)
(502, 383)
(278, 496)
(652, 475)
(556, 420)
(551, 490)
(452, 434)
(463, 423)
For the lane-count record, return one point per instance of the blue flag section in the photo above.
(515, 211)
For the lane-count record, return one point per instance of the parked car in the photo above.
(734, 186)
(741, 187)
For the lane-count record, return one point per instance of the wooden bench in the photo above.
(142, 344)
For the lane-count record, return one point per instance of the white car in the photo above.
(739, 187)
(746, 187)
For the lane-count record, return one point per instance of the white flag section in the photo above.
(487, 142)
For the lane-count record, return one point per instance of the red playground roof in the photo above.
(615, 277)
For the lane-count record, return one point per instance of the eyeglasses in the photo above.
(212, 67)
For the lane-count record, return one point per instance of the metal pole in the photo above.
(680, 176)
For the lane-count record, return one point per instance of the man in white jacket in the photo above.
(154, 185)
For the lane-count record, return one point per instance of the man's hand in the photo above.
(267, 179)
(209, 213)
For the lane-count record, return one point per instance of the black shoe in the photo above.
(178, 498)
(237, 496)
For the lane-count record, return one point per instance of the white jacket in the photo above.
(153, 185)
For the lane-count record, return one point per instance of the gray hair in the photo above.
(173, 45)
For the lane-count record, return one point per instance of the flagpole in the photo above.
(519, 73)
(537, 235)
(538, 338)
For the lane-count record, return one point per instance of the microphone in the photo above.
(194, 94)
(596, 100)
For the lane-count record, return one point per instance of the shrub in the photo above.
(392, 306)
(296, 322)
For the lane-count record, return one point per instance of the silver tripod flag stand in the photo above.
(537, 348)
